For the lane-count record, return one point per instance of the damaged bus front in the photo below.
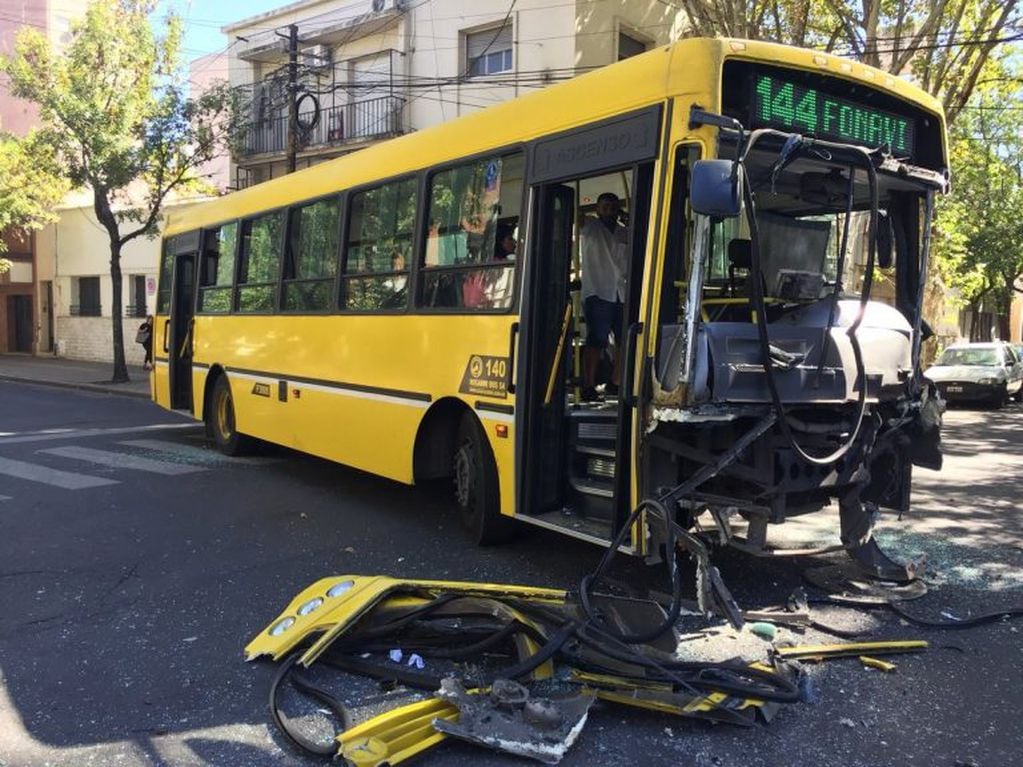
(800, 311)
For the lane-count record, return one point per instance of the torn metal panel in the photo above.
(330, 606)
(509, 719)
(396, 735)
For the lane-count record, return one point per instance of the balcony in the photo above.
(334, 126)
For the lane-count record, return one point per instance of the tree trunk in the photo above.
(101, 205)
(120, 367)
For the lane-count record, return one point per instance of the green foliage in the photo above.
(948, 45)
(117, 118)
(30, 185)
(979, 246)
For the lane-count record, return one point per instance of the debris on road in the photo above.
(828, 651)
(880, 665)
(522, 664)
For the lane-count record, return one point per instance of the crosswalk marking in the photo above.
(122, 460)
(51, 436)
(68, 480)
(193, 452)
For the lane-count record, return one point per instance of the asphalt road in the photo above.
(135, 564)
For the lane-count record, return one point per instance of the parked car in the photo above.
(989, 372)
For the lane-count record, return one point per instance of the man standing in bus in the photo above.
(604, 261)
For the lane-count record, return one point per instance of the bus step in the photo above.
(592, 487)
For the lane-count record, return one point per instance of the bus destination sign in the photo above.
(792, 107)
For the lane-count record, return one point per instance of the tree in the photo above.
(30, 186)
(946, 44)
(116, 114)
(981, 256)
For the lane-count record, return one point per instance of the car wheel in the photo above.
(1018, 396)
(220, 423)
(999, 399)
(476, 486)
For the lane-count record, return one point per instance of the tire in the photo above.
(1018, 396)
(476, 486)
(999, 400)
(220, 425)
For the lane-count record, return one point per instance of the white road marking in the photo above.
(68, 480)
(49, 437)
(5, 497)
(122, 460)
(194, 452)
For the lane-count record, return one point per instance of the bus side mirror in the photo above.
(716, 189)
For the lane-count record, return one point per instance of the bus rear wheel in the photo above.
(476, 486)
(220, 425)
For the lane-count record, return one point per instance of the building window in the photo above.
(379, 248)
(629, 46)
(136, 296)
(85, 297)
(489, 51)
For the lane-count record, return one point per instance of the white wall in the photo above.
(77, 246)
(551, 41)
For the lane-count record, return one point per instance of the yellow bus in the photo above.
(364, 311)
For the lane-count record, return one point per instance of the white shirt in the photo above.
(604, 260)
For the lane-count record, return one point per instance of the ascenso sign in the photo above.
(806, 110)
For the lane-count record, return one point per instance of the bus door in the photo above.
(577, 455)
(177, 335)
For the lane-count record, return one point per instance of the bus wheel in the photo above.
(476, 486)
(220, 421)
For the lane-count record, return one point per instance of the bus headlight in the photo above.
(311, 605)
(339, 588)
(281, 626)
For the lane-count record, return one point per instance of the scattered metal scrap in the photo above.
(521, 665)
(827, 651)
(507, 718)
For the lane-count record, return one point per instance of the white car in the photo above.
(990, 372)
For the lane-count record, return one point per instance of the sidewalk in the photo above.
(73, 374)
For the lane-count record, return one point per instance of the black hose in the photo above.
(760, 307)
(296, 738)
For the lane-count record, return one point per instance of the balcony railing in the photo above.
(344, 124)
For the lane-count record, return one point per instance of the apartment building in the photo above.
(368, 70)
(25, 311)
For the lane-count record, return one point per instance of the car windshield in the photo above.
(968, 357)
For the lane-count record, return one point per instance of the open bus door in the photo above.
(174, 330)
(577, 456)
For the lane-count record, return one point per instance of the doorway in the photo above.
(182, 315)
(21, 314)
(576, 453)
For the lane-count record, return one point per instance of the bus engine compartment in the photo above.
(803, 306)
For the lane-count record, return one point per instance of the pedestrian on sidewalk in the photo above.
(144, 336)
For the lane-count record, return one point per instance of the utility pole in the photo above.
(292, 96)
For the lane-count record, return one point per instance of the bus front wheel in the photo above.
(476, 486)
(220, 423)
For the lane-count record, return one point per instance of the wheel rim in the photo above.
(224, 415)
(464, 469)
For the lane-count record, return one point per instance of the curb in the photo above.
(95, 388)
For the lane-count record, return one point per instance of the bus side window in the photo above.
(260, 262)
(473, 208)
(310, 256)
(379, 248)
(216, 276)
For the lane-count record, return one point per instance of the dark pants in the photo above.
(602, 318)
